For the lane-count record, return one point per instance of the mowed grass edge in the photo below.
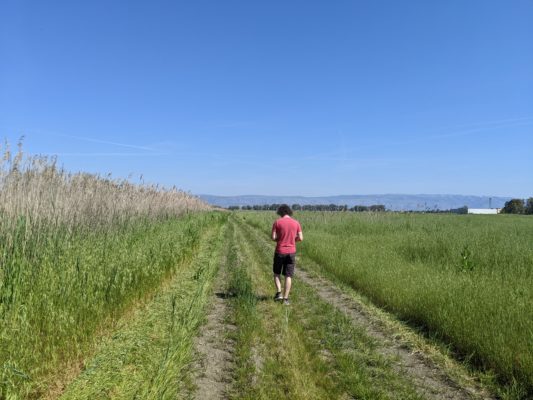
(150, 355)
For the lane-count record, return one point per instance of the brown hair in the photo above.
(283, 210)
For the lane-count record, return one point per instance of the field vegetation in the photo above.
(150, 353)
(465, 280)
(105, 284)
(75, 251)
(310, 351)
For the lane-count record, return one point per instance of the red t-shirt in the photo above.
(286, 230)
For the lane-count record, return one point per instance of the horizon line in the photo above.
(357, 195)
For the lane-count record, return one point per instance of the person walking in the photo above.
(286, 231)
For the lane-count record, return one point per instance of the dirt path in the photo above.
(215, 348)
(431, 380)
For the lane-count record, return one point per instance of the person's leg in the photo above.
(287, 288)
(288, 271)
(276, 269)
(277, 282)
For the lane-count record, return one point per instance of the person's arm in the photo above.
(299, 235)
(274, 233)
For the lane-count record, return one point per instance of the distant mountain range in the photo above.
(395, 202)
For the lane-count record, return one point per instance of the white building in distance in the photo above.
(484, 210)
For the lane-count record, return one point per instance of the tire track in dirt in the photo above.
(430, 380)
(215, 349)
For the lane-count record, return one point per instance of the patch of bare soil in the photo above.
(431, 380)
(213, 367)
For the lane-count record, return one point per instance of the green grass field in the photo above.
(52, 309)
(466, 280)
(98, 306)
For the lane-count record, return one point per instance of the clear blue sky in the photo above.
(277, 97)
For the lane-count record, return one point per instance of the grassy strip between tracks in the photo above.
(307, 350)
(149, 355)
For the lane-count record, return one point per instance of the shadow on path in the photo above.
(230, 295)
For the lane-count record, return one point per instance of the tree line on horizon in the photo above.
(312, 207)
(518, 206)
(513, 206)
(342, 207)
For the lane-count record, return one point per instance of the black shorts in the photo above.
(284, 264)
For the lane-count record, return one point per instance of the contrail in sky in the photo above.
(337, 155)
(88, 139)
(92, 140)
(106, 154)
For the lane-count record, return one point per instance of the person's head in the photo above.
(283, 210)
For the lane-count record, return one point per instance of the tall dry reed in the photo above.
(36, 188)
(75, 250)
